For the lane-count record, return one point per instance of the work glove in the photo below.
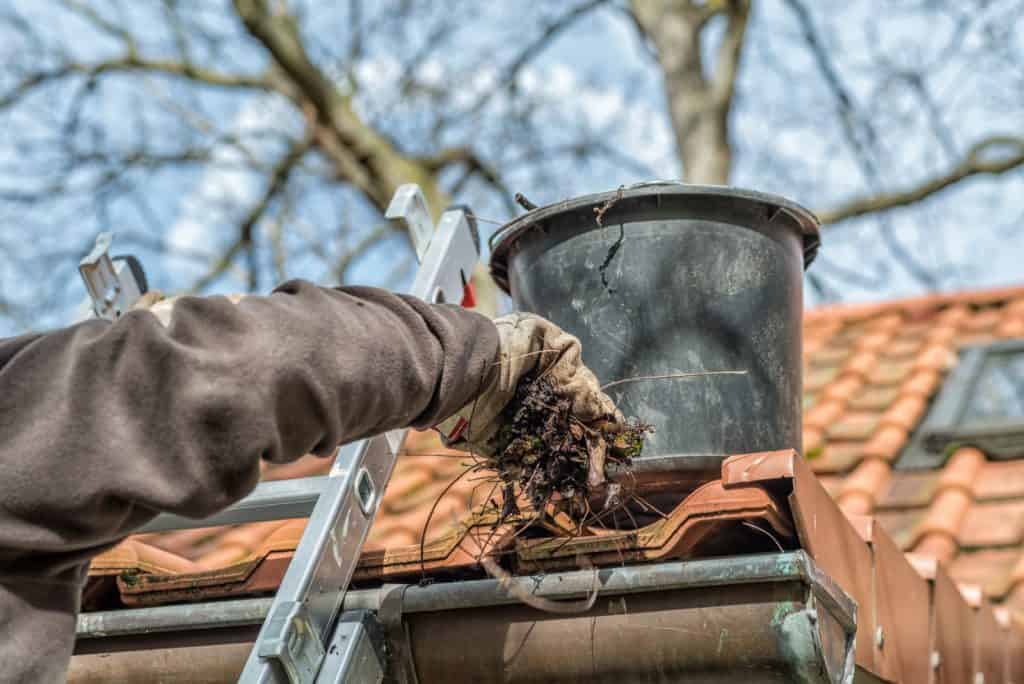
(161, 307)
(528, 345)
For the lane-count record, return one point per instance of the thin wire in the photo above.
(764, 532)
(671, 376)
(484, 220)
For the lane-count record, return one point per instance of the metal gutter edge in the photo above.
(163, 619)
(715, 572)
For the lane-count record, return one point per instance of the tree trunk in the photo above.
(699, 104)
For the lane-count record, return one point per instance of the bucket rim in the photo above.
(502, 240)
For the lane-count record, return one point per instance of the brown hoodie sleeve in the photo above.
(102, 425)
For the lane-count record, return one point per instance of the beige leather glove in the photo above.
(160, 306)
(528, 343)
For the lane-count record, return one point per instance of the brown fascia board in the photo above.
(822, 528)
(951, 633)
(1014, 650)
(990, 646)
(901, 609)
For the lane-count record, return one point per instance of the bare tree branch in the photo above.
(244, 242)
(364, 158)
(535, 47)
(359, 249)
(131, 63)
(729, 52)
(474, 165)
(699, 107)
(979, 160)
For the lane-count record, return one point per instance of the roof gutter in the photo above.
(767, 617)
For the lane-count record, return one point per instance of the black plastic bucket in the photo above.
(662, 279)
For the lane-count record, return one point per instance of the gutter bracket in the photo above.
(402, 669)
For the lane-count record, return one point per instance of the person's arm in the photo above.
(102, 425)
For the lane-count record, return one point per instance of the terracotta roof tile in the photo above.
(861, 363)
(892, 322)
(1000, 481)
(915, 330)
(871, 341)
(993, 524)
(939, 546)
(874, 398)
(962, 469)
(853, 426)
(835, 457)
(983, 320)
(828, 357)
(903, 347)
(954, 315)
(922, 383)
(870, 477)
(946, 513)
(824, 414)
(886, 442)
(942, 335)
(1011, 327)
(1015, 306)
(813, 440)
(901, 525)
(817, 378)
(892, 372)
(976, 339)
(938, 357)
(910, 489)
(905, 413)
(989, 569)
(844, 388)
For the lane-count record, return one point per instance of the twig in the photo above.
(600, 211)
(764, 532)
(524, 203)
(430, 515)
(508, 583)
(671, 376)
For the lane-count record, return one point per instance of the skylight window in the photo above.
(981, 404)
(998, 392)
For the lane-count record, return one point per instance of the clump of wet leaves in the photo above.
(549, 456)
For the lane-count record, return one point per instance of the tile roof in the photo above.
(870, 372)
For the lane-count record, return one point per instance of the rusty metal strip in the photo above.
(901, 630)
(990, 645)
(954, 640)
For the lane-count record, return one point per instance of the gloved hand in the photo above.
(155, 301)
(161, 307)
(528, 343)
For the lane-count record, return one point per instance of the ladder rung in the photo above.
(277, 500)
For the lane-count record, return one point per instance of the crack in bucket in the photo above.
(612, 251)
